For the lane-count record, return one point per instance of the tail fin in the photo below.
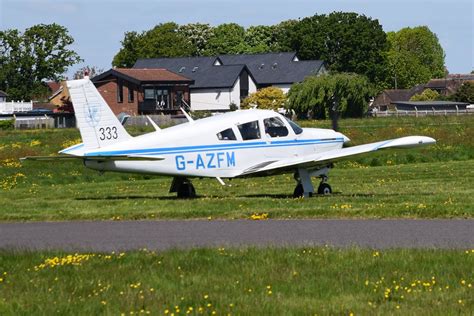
(97, 123)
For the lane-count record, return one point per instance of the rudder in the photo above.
(98, 125)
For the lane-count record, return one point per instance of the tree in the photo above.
(267, 98)
(227, 39)
(348, 42)
(91, 71)
(283, 35)
(349, 93)
(197, 35)
(128, 54)
(163, 40)
(415, 56)
(28, 60)
(465, 93)
(260, 39)
(426, 95)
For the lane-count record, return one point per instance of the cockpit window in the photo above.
(275, 127)
(298, 130)
(249, 130)
(227, 134)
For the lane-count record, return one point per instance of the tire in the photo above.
(186, 191)
(299, 191)
(324, 189)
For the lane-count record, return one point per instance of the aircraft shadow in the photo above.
(257, 195)
(125, 197)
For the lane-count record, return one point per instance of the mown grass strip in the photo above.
(239, 281)
(422, 190)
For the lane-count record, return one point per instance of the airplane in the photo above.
(243, 143)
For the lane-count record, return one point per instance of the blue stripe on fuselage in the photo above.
(204, 148)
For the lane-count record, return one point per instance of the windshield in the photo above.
(298, 130)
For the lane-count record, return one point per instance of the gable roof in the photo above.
(275, 68)
(200, 69)
(389, 96)
(138, 76)
(3, 94)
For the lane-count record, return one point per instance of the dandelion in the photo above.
(257, 216)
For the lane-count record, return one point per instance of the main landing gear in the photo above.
(183, 188)
(304, 186)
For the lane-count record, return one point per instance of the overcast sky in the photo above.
(98, 26)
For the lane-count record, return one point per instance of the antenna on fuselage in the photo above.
(155, 126)
(188, 117)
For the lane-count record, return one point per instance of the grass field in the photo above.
(432, 182)
(239, 282)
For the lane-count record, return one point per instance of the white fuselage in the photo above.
(203, 149)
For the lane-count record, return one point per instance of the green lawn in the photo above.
(431, 182)
(421, 190)
(251, 281)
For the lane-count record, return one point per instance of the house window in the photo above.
(249, 130)
(150, 94)
(120, 92)
(178, 99)
(131, 95)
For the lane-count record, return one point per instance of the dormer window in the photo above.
(182, 69)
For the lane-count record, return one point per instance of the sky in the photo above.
(98, 26)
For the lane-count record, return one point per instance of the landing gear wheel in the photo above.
(186, 191)
(324, 189)
(299, 191)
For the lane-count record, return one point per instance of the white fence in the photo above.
(416, 112)
(15, 107)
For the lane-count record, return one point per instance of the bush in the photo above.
(7, 124)
(271, 98)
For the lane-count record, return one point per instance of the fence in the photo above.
(34, 122)
(15, 107)
(416, 112)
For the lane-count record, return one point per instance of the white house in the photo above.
(224, 80)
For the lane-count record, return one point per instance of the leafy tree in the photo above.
(426, 95)
(415, 56)
(128, 54)
(91, 71)
(163, 40)
(283, 33)
(260, 39)
(28, 60)
(197, 35)
(227, 39)
(465, 93)
(348, 42)
(267, 98)
(317, 95)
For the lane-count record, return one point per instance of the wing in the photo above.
(324, 158)
(96, 158)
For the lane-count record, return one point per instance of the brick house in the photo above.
(143, 91)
